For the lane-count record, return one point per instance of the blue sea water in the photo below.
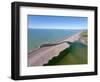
(37, 37)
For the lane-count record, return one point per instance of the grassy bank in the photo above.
(84, 37)
(84, 33)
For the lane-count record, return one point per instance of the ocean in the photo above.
(37, 37)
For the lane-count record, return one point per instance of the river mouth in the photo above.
(77, 53)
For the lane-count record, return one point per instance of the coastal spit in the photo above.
(46, 52)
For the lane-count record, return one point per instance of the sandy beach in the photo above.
(43, 54)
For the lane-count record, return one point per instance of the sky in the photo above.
(57, 22)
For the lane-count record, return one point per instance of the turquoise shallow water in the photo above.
(37, 37)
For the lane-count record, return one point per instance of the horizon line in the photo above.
(59, 28)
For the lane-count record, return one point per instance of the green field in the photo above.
(75, 54)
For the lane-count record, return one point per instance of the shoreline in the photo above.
(53, 44)
(44, 54)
